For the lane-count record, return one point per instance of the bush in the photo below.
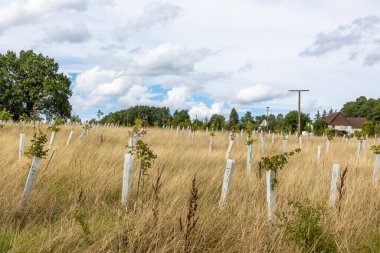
(304, 229)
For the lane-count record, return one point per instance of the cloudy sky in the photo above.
(205, 56)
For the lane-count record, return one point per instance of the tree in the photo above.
(155, 115)
(317, 116)
(218, 121)
(246, 118)
(291, 121)
(368, 128)
(31, 82)
(179, 117)
(99, 114)
(363, 107)
(233, 119)
(319, 127)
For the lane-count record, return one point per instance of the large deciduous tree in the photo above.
(32, 82)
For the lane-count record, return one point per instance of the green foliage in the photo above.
(358, 135)
(6, 241)
(161, 115)
(304, 228)
(319, 127)
(179, 117)
(233, 119)
(24, 117)
(37, 147)
(376, 149)
(56, 124)
(29, 82)
(86, 127)
(99, 114)
(363, 107)
(75, 119)
(276, 162)
(218, 121)
(249, 129)
(246, 118)
(5, 115)
(329, 134)
(368, 128)
(145, 154)
(291, 121)
(212, 132)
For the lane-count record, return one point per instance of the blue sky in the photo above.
(204, 56)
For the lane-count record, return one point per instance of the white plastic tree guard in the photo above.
(271, 195)
(127, 178)
(334, 185)
(210, 144)
(52, 138)
(227, 180)
(284, 145)
(69, 138)
(230, 145)
(29, 181)
(249, 159)
(319, 152)
(21, 149)
(376, 168)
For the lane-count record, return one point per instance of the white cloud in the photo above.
(75, 33)
(201, 111)
(177, 97)
(258, 93)
(156, 13)
(19, 12)
(358, 35)
(169, 59)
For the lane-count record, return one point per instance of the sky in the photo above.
(204, 56)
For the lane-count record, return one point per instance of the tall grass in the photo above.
(74, 204)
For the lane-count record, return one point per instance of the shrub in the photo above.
(303, 228)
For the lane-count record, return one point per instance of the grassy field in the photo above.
(74, 204)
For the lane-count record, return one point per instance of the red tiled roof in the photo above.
(357, 122)
(337, 119)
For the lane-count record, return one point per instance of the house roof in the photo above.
(357, 122)
(338, 119)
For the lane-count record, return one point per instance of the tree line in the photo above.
(31, 86)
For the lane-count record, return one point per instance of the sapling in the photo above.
(37, 153)
(54, 129)
(376, 151)
(272, 165)
(250, 140)
(86, 128)
(136, 133)
(147, 157)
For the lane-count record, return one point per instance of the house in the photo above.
(349, 125)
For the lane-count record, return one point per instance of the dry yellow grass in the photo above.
(93, 167)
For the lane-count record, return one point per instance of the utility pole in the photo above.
(299, 109)
(267, 117)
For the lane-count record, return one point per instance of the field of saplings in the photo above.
(117, 189)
